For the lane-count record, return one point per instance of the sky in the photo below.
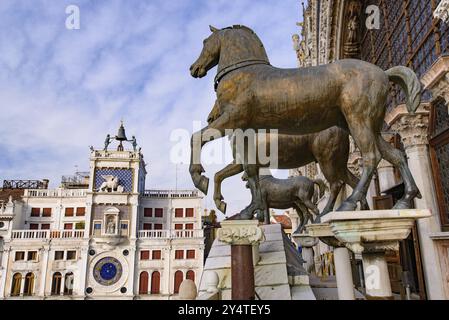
(62, 90)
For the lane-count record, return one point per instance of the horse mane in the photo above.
(239, 26)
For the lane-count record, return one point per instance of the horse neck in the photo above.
(240, 45)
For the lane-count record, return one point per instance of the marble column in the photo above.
(242, 235)
(372, 233)
(413, 132)
(307, 243)
(343, 271)
(385, 171)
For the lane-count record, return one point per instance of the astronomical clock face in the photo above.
(107, 271)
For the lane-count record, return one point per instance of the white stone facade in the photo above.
(123, 242)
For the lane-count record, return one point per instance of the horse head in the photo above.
(209, 55)
(227, 47)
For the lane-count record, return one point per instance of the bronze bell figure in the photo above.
(121, 136)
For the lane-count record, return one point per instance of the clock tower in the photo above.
(117, 179)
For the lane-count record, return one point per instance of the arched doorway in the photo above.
(190, 275)
(68, 283)
(178, 280)
(143, 283)
(29, 284)
(56, 284)
(155, 282)
(16, 284)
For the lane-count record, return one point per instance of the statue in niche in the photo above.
(110, 226)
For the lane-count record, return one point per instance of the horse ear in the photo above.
(213, 29)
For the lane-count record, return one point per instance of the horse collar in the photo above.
(235, 66)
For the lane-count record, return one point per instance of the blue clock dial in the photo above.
(107, 271)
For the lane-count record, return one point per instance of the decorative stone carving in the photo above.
(412, 129)
(442, 11)
(436, 79)
(352, 43)
(240, 232)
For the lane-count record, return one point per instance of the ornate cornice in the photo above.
(436, 79)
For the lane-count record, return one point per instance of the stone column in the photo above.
(376, 275)
(4, 267)
(385, 171)
(241, 235)
(413, 131)
(372, 233)
(343, 271)
(44, 265)
(307, 243)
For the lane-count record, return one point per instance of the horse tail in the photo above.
(321, 187)
(409, 82)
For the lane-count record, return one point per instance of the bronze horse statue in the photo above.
(330, 148)
(252, 94)
(295, 192)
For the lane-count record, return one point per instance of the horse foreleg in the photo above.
(228, 171)
(214, 130)
(257, 203)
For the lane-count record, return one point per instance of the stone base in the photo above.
(271, 273)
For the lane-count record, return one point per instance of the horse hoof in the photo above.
(222, 207)
(244, 215)
(403, 204)
(317, 219)
(203, 185)
(347, 206)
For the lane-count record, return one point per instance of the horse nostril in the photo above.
(191, 67)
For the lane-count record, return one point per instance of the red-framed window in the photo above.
(35, 212)
(156, 255)
(69, 212)
(147, 226)
(68, 226)
(179, 212)
(46, 212)
(148, 212)
(189, 212)
(179, 254)
(158, 226)
(80, 212)
(190, 254)
(158, 212)
(145, 255)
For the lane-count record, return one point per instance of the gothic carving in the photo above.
(351, 47)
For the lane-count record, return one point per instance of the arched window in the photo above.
(155, 282)
(29, 284)
(143, 283)
(178, 280)
(190, 275)
(16, 284)
(68, 284)
(56, 284)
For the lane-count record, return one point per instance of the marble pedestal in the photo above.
(372, 233)
(343, 271)
(307, 243)
(242, 235)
